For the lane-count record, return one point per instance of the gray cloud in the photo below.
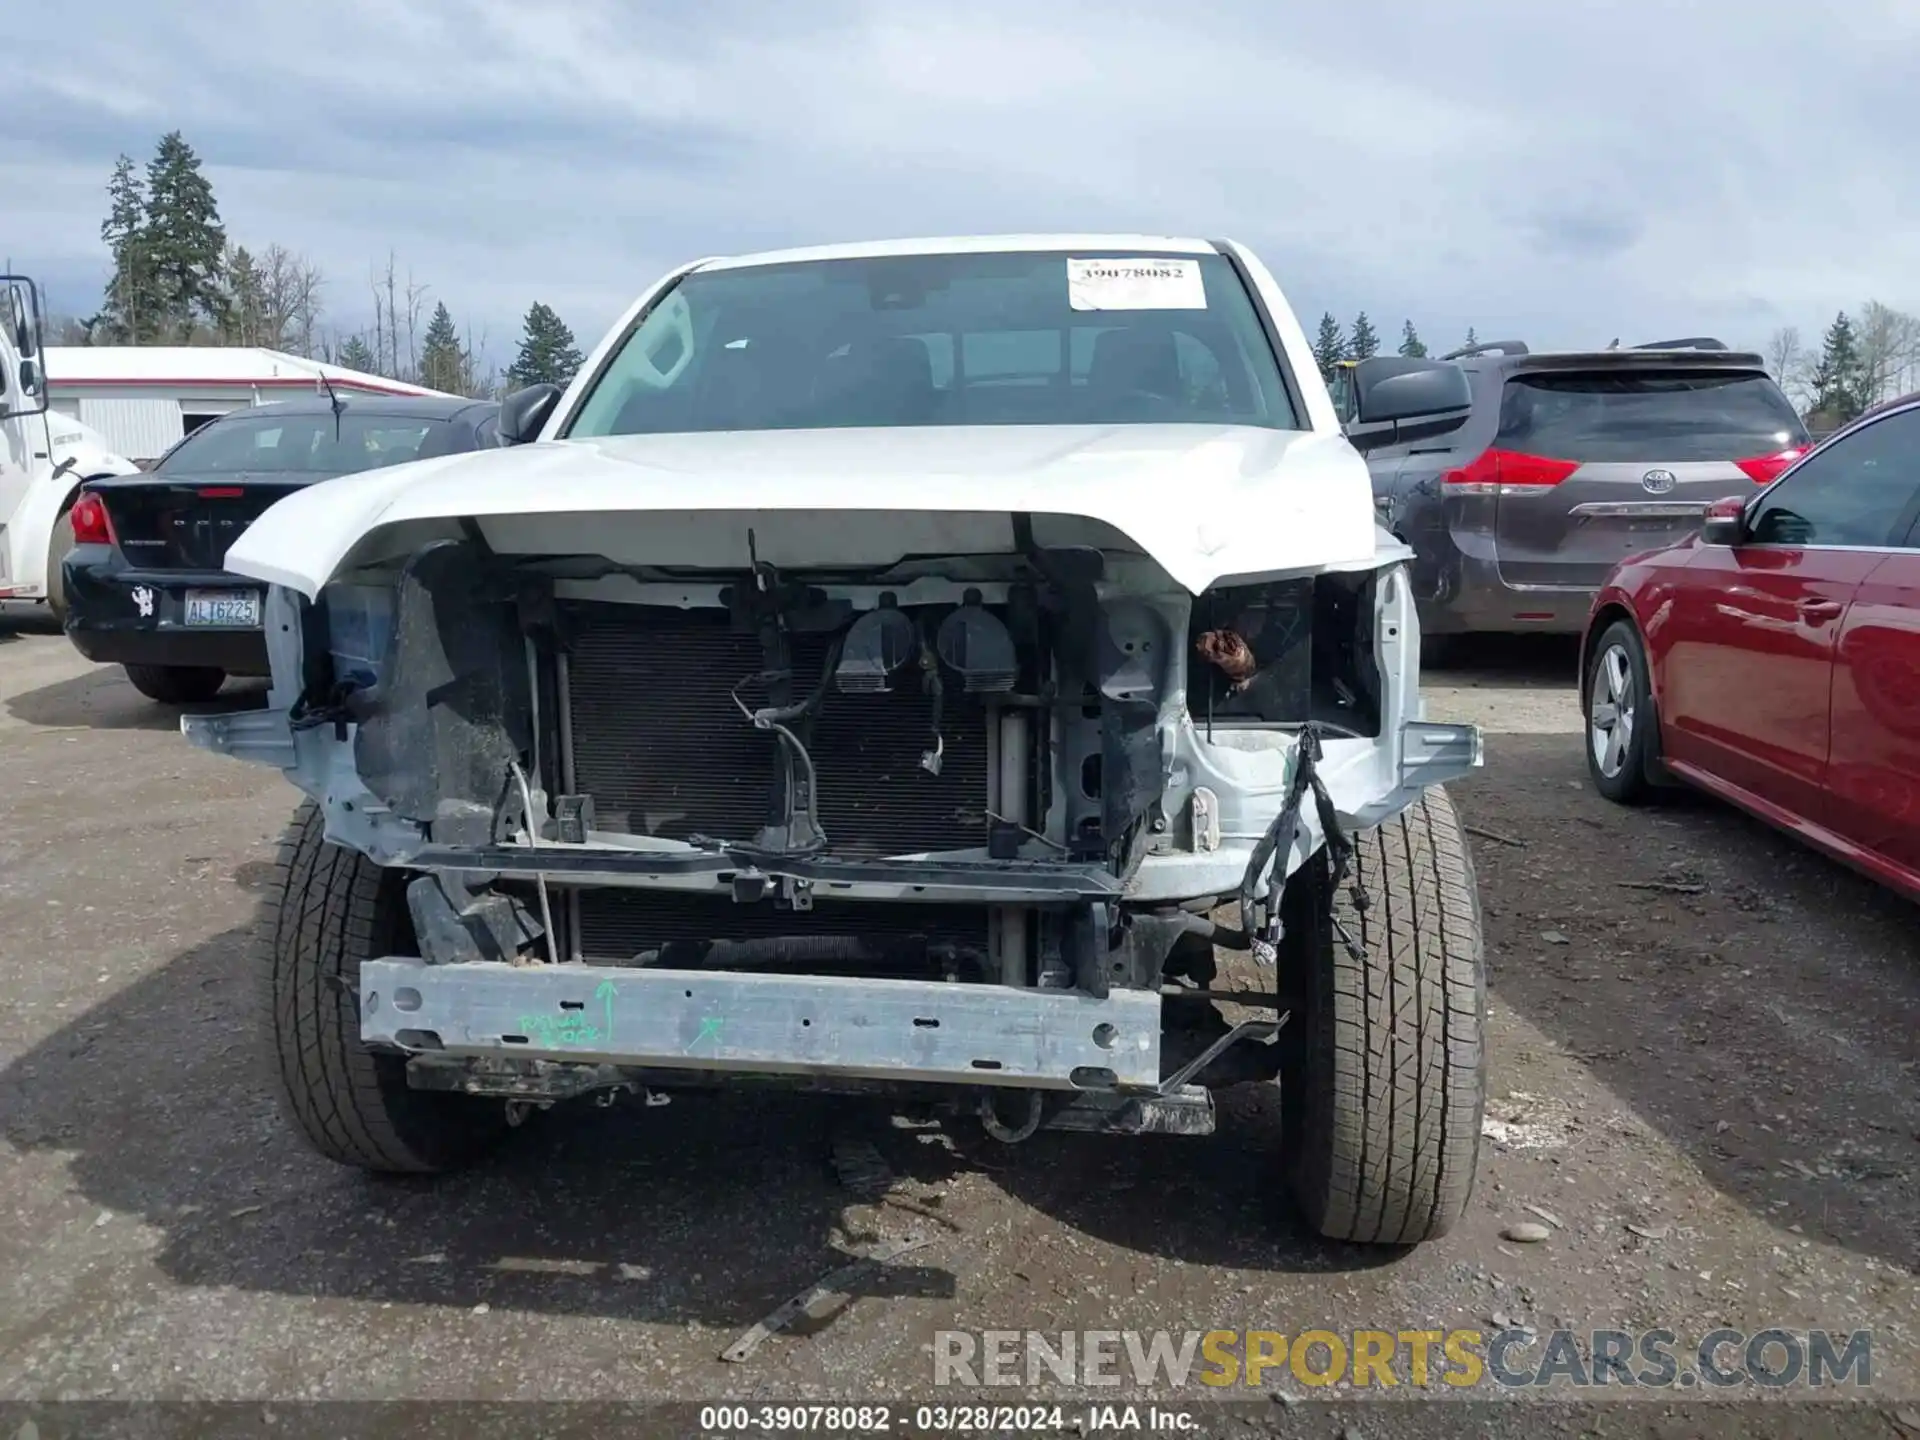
(1565, 172)
(1584, 233)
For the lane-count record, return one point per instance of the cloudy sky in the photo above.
(1566, 172)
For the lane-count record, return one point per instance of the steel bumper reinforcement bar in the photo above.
(907, 1030)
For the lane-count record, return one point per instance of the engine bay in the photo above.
(991, 732)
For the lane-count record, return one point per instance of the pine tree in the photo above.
(1329, 346)
(444, 362)
(356, 354)
(1363, 342)
(1472, 339)
(184, 239)
(1411, 345)
(547, 353)
(131, 314)
(247, 320)
(1838, 381)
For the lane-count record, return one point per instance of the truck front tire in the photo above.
(1384, 1082)
(329, 909)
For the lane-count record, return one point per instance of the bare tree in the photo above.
(385, 284)
(379, 323)
(291, 286)
(284, 308)
(1889, 351)
(482, 384)
(416, 298)
(1788, 360)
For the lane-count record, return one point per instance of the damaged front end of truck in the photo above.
(972, 821)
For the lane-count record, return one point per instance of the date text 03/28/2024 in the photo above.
(956, 1419)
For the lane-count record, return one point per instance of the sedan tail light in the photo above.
(1492, 471)
(1763, 468)
(90, 523)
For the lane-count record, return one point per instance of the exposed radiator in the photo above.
(663, 750)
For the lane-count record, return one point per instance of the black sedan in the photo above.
(145, 587)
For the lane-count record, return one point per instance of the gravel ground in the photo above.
(1709, 1086)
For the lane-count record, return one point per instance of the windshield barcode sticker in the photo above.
(1135, 285)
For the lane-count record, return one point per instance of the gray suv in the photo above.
(1564, 465)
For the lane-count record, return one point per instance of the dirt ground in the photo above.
(1704, 1071)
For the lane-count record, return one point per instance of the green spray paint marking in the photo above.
(572, 1027)
(603, 992)
(709, 1030)
(555, 1031)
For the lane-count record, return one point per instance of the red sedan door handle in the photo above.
(1818, 612)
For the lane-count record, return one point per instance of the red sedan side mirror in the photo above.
(1724, 521)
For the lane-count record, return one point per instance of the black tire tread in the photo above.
(334, 908)
(1396, 1054)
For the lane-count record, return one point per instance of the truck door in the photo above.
(23, 405)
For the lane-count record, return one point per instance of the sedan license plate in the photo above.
(232, 609)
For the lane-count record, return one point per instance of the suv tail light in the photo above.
(90, 523)
(1763, 468)
(1492, 471)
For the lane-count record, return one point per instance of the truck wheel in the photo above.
(57, 549)
(1384, 1080)
(176, 684)
(332, 908)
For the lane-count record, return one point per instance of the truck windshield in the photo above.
(308, 444)
(956, 339)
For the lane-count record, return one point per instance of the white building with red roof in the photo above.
(142, 398)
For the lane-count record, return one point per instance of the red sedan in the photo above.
(1773, 658)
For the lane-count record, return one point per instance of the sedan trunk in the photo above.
(182, 524)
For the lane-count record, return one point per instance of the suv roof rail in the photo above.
(1490, 347)
(1695, 342)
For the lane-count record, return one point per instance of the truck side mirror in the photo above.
(1398, 398)
(525, 412)
(26, 321)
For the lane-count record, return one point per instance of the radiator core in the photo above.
(663, 750)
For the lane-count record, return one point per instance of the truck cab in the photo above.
(44, 459)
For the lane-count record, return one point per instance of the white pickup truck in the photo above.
(908, 666)
(45, 457)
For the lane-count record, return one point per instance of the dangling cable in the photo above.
(1260, 914)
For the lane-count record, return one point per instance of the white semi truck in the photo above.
(45, 457)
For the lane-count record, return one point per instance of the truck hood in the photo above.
(1207, 503)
